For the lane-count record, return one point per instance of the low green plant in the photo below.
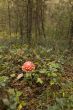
(12, 101)
(50, 71)
(3, 81)
(62, 104)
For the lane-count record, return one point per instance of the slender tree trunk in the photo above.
(29, 21)
(9, 18)
(71, 32)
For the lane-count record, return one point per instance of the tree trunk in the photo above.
(29, 21)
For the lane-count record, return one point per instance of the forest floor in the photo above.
(34, 91)
(48, 87)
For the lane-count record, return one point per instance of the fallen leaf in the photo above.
(19, 76)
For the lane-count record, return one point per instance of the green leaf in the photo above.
(3, 80)
(43, 71)
(39, 80)
(12, 75)
(28, 75)
(53, 81)
(54, 65)
(52, 74)
(21, 105)
(6, 101)
(11, 91)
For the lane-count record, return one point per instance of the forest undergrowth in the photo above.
(48, 87)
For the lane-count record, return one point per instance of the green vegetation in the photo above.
(40, 31)
(47, 87)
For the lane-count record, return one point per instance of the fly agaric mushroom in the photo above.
(28, 66)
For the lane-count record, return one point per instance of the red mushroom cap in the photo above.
(28, 66)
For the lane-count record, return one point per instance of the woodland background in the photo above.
(37, 22)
